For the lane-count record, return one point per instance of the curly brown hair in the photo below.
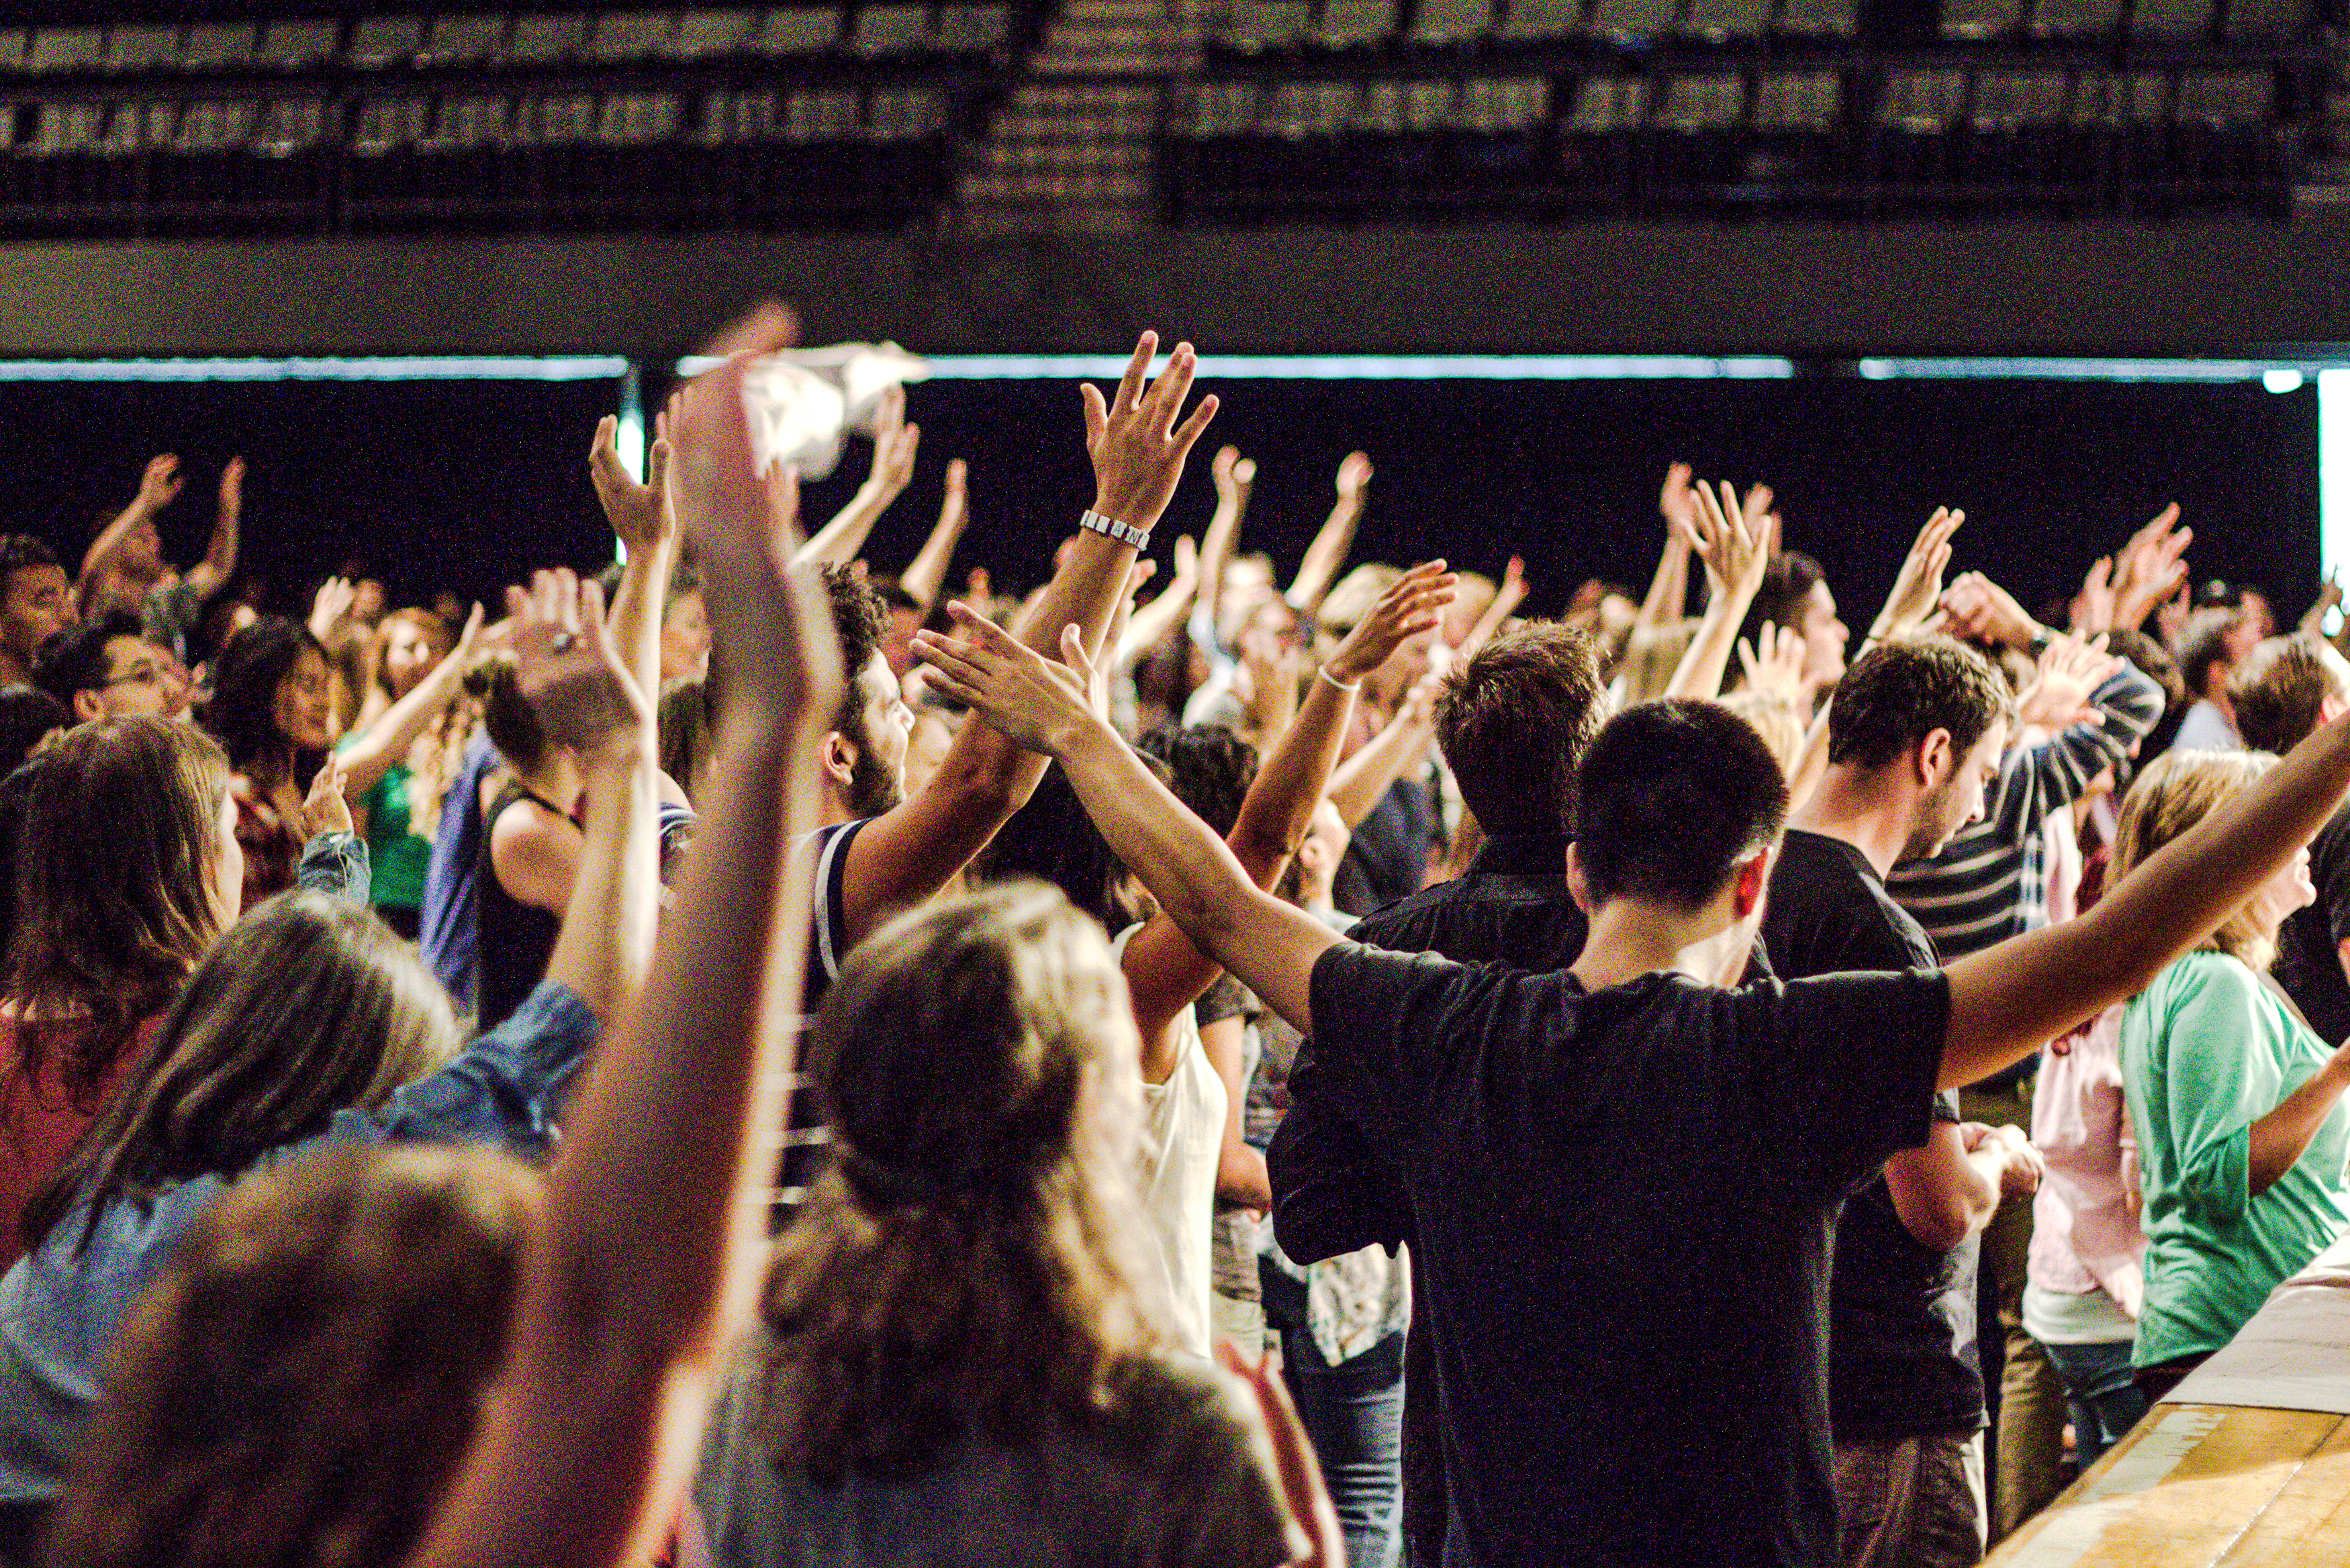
(302, 1382)
(965, 1267)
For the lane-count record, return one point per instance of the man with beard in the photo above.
(1914, 733)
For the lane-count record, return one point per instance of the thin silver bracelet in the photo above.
(1349, 687)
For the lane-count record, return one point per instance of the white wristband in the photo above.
(1110, 527)
(1349, 686)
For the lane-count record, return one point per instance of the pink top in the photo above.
(2084, 1220)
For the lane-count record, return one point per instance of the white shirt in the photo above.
(1175, 1173)
(2206, 729)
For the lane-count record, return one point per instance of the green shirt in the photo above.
(401, 857)
(2207, 1051)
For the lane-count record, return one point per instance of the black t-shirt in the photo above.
(2309, 965)
(1901, 1316)
(1623, 1207)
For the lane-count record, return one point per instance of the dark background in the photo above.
(467, 484)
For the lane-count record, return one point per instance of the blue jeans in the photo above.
(2103, 1391)
(1354, 1413)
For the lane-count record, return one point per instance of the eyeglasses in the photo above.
(138, 675)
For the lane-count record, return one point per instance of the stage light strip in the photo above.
(2051, 369)
(331, 368)
(1356, 366)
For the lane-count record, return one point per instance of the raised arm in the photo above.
(1195, 876)
(1668, 599)
(644, 520)
(1235, 478)
(157, 488)
(928, 575)
(656, 1209)
(1363, 780)
(1735, 554)
(1918, 589)
(895, 443)
(371, 753)
(1163, 614)
(1138, 448)
(1336, 540)
(2007, 1001)
(212, 574)
(1165, 969)
(1506, 600)
(571, 673)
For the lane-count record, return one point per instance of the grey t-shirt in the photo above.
(1184, 1479)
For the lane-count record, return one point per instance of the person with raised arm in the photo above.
(880, 851)
(656, 1209)
(1625, 1134)
(895, 446)
(124, 568)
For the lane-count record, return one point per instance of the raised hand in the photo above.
(159, 485)
(1098, 689)
(1187, 564)
(1776, 668)
(2092, 607)
(1137, 446)
(1235, 476)
(1677, 506)
(1413, 604)
(1513, 590)
(775, 622)
(1919, 588)
(1016, 691)
(641, 515)
(567, 667)
(325, 809)
(895, 444)
(333, 602)
(1980, 608)
(2070, 669)
(1731, 551)
(231, 491)
(954, 496)
(2151, 568)
(1353, 477)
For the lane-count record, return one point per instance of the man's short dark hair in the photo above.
(74, 660)
(1787, 582)
(1514, 722)
(1672, 795)
(1209, 767)
(22, 552)
(1898, 693)
(2278, 692)
(2202, 643)
(857, 611)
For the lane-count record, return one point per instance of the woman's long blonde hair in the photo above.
(2178, 790)
(967, 1266)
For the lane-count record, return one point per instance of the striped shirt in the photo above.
(1990, 882)
(806, 1138)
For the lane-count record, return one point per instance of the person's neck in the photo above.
(1632, 937)
(833, 811)
(1867, 813)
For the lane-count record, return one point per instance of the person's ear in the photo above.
(1936, 758)
(87, 707)
(839, 757)
(1752, 881)
(1578, 887)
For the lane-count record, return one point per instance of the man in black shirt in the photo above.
(1623, 1175)
(1513, 722)
(2288, 687)
(1915, 732)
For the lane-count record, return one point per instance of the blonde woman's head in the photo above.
(2180, 789)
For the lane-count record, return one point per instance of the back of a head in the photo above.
(1672, 796)
(114, 898)
(965, 1263)
(243, 712)
(1514, 722)
(309, 1006)
(1209, 767)
(2178, 790)
(1788, 580)
(29, 716)
(862, 620)
(301, 1383)
(1900, 691)
(1357, 595)
(2203, 643)
(2279, 693)
(75, 658)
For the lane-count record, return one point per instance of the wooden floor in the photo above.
(2203, 1486)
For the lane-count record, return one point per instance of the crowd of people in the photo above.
(748, 1060)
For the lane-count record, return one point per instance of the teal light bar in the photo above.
(1353, 367)
(372, 368)
(2054, 369)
